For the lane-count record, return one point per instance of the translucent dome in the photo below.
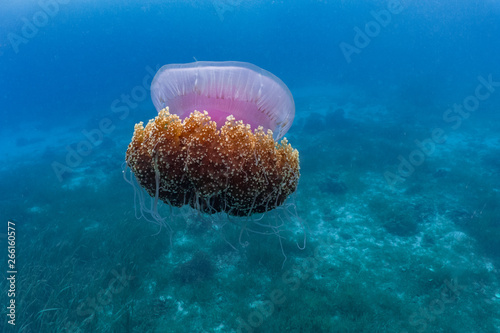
(247, 92)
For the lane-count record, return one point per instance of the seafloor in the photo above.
(421, 255)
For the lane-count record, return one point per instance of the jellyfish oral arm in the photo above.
(231, 169)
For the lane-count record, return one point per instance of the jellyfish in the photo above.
(215, 143)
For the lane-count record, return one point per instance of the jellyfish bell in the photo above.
(243, 90)
(212, 145)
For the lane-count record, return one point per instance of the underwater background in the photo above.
(398, 128)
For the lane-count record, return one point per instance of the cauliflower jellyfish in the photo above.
(215, 142)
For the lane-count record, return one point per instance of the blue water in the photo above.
(398, 128)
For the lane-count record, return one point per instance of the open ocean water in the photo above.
(395, 224)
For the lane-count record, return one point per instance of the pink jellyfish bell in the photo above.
(240, 89)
